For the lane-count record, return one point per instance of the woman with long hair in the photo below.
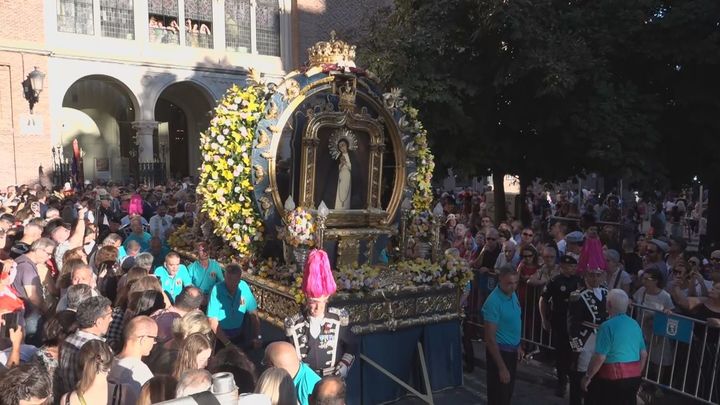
(144, 303)
(55, 330)
(94, 361)
(192, 322)
(163, 357)
(277, 384)
(135, 273)
(194, 354)
(157, 389)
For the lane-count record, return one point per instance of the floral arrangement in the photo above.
(285, 275)
(420, 271)
(421, 226)
(181, 238)
(452, 270)
(225, 176)
(300, 229)
(351, 278)
(456, 270)
(422, 196)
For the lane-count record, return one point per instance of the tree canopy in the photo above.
(553, 89)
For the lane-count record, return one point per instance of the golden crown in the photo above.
(333, 51)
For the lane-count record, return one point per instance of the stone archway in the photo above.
(98, 111)
(182, 113)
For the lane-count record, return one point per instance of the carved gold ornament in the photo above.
(292, 89)
(259, 174)
(334, 51)
(263, 139)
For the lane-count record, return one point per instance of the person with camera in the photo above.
(65, 238)
(687, 281)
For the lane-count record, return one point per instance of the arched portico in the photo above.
(98, 111)
(182, 113)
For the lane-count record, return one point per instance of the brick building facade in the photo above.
(132, 83)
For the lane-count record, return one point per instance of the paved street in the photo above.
(475, 392)
(534, 386)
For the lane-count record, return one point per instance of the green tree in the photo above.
(680, 63)
(532, 88)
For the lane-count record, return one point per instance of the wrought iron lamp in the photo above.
(32, 86)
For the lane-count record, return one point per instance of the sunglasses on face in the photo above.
(528, 256)
(527, 234)
(491, 239)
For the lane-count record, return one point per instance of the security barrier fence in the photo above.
(683, 352)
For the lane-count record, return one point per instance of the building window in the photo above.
(268, 27)
(117, 19)
(75, 16)
(237, 25)
(163, 21)
(198, 23)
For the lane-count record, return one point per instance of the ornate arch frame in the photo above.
(283, 103)
(310, 141)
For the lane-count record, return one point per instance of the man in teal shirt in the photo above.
(228, 304)
(283, 355)
(205, 272)
(138, 234)
(173, 275)
(503, 327)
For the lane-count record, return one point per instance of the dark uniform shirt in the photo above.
(557, 292)
(333, 345)
(585, 314)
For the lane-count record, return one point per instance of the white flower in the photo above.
(221, 138)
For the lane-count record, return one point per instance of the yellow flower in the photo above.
(226, 187)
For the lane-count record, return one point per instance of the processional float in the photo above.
(325, 158)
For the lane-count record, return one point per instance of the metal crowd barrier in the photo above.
(683, 352)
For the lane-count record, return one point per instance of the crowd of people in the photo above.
(551, 283)
(96, 308)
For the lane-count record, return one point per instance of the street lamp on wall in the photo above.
(32, 86)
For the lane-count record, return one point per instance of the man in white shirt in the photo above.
(161, 223)
(128, 368)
